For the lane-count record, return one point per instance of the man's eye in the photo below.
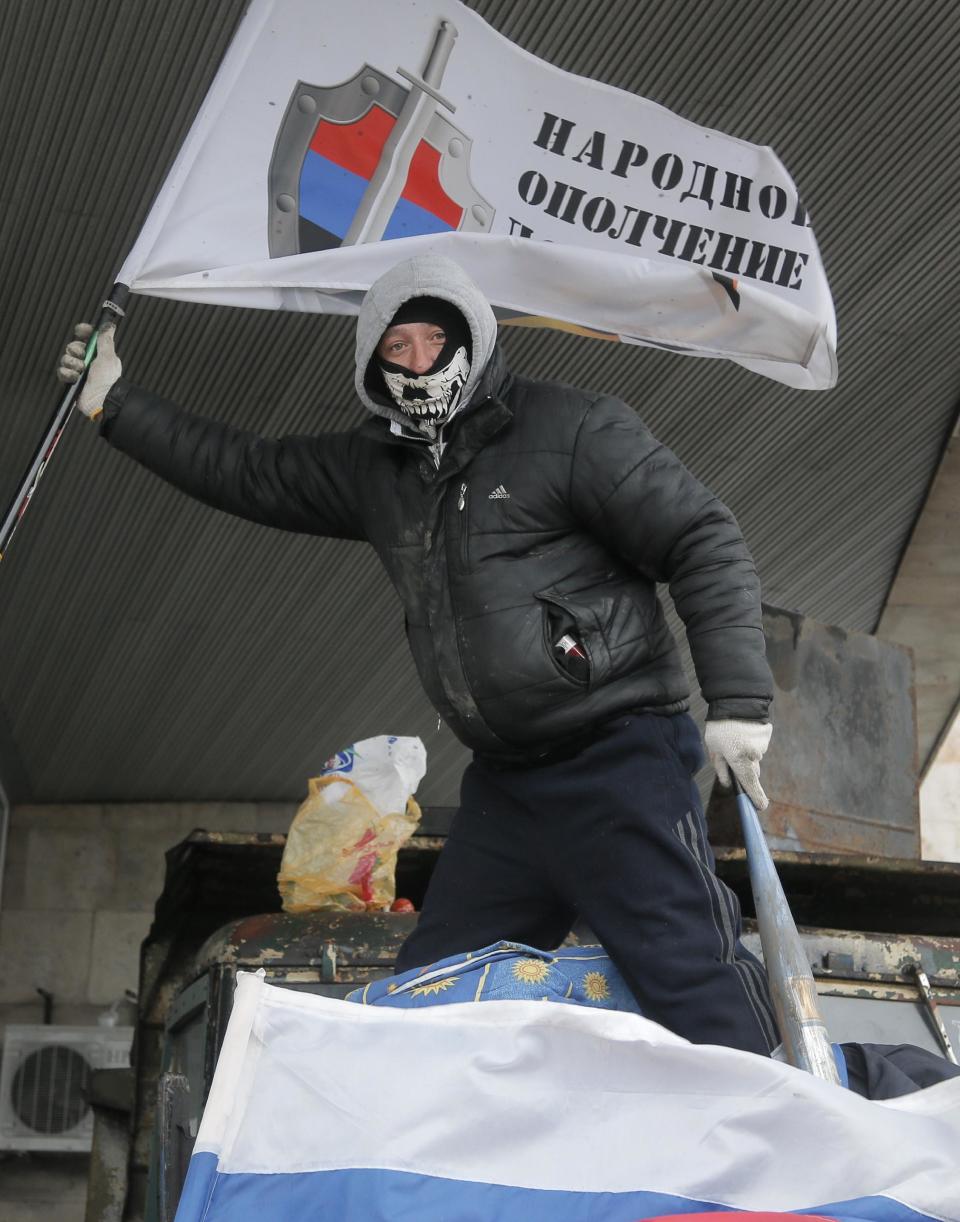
(438, 337)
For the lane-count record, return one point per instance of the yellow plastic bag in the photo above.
(342, 846)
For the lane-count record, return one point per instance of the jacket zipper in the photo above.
(464, 527)
(436, 448)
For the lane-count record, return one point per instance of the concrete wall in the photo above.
(923, 612)
(78, 893)
(940, 800)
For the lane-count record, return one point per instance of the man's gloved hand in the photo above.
(104, 370)
(738, 747)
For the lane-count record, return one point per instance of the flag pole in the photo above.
(112, 310)
(792, 986)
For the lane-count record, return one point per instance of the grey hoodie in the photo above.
(422, 276)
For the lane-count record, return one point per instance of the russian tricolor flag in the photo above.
(519, 1111)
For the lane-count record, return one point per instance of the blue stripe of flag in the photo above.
(401, 1196)
(330, 196)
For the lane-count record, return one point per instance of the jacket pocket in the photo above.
(570, 616)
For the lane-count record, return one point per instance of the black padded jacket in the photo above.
(553, 511)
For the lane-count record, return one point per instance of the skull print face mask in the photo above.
(430, 398)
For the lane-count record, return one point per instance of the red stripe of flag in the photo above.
(354, 146)
(741, 1216)
(423, 186)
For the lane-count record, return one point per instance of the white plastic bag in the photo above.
(342, 846)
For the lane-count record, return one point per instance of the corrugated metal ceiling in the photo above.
(154, 649)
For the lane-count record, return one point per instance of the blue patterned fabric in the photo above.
(577, 975)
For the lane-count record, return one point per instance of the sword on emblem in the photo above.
(387, 181)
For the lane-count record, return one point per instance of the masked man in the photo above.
(524, 525)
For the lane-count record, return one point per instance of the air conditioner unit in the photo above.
(43, 1081)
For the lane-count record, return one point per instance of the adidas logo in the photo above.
(499, 494)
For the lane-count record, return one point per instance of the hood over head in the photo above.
(421, 276)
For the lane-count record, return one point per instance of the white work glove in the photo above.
(104, 370)
(738, 747)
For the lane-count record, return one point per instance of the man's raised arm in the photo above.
(305, 484)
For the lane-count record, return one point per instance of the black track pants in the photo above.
(617, 835)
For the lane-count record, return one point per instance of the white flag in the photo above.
(525, 1111)
(337, 140)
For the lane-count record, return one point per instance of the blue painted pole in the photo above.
(792, 986)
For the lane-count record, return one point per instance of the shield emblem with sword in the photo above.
(370, 159)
